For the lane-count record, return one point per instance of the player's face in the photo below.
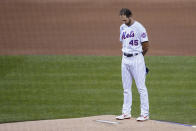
(125, 19)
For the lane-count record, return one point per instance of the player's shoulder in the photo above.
(138, 24)
(123, 26)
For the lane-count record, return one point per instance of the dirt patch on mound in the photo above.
(95, 123)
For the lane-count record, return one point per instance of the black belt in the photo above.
(130, 55)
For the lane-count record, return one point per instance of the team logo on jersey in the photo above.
(127, 35)
(143, 35)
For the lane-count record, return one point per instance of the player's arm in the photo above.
(145, 47)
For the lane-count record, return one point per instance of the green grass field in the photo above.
(51, 87)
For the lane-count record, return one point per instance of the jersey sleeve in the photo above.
(120, 34)
(121, 30)
(143, 34)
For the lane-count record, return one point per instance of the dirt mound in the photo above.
(95, 123)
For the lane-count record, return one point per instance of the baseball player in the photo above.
(134, 46)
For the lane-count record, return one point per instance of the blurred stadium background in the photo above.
(92, 27)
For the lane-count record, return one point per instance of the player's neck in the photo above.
(131, 22)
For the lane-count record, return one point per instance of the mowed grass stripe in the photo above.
(172, 88)
(51, 87)
(74, 89)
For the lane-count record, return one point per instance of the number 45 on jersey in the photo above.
(133, 42)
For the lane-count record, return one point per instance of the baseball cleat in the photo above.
(142, 118)
(123, 116)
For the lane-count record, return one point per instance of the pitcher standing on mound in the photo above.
(134, 46)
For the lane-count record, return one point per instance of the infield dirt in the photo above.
(91, 124)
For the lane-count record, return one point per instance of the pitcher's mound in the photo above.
(94, 123)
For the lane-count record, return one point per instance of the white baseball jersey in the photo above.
(133, 67)
(132, 37)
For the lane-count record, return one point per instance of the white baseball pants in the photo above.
(134, 67)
